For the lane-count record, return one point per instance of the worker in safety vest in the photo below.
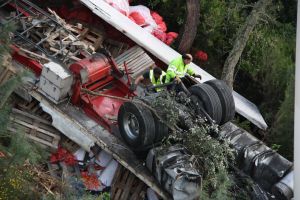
(156, 76)
(179, 67)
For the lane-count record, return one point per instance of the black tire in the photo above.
(226, 99)
(209, 100)
(138, 136)
(161, 130)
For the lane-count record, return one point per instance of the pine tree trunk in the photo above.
(189, 32)
(241, 40)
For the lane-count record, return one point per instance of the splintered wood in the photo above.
(127, 186)
(43, 38)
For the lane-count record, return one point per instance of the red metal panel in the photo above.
(92, 69)
(35, 66)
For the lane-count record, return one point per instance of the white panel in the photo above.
(55, 93)
(57, 74)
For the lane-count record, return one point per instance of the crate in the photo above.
(55, 81)
(93, 36)
(127, 186)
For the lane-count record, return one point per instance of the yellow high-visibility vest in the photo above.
(159, 81)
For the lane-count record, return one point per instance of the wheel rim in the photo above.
(131, 125)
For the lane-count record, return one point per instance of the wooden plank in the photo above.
(16, 111)
(98, 42)
(90, 38)
(126, 185)
(137, 194)
(14, 130)
(115, 193)
(69, 144)
(35, 128)
(6, 73)
(83, 33)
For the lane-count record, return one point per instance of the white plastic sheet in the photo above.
(151, 195)
(108, 173)
(79, 155)
(145, 13)
(103, 158)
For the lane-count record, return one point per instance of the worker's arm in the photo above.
(171, 71)
(191, 72)
(170, 75)
(139, 79)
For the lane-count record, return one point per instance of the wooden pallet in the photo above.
(91, 38)
(35, 128)
(127, 186)
(33, 108)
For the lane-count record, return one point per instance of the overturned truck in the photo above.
(83, 74)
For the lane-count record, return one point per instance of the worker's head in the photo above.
(157, 72)
(187, 58)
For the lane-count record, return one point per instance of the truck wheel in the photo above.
(209, 100)
(136, 125)
(161, 130)
(226, 99)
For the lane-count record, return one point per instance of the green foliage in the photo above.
(269, 59)
(16, 183)
(173, 12)
(275, 147)
(166, 108)
(282, 132)
(244, 124)
(102, 196)
(213, 158)
(212, 155)
(4, 117)
(7, 88)
(224, 183)
(154, 3)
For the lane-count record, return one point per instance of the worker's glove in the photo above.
(177, 80)
(197, 76)
(132, 87)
